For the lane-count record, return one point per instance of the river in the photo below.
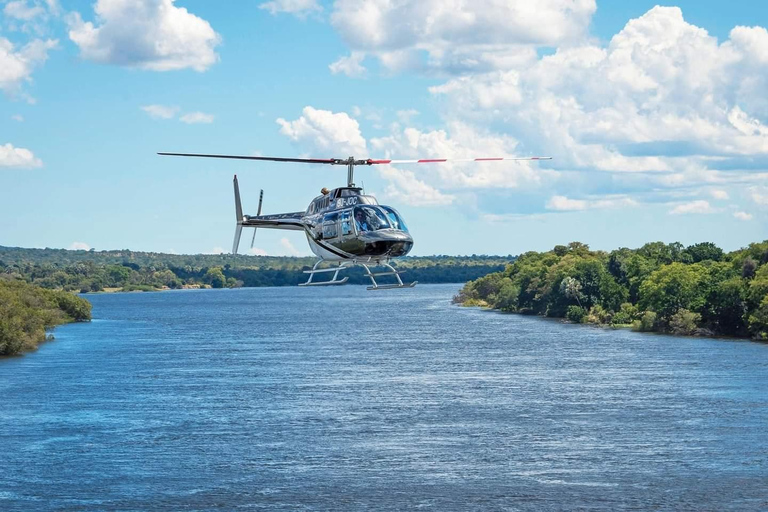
(345, 399)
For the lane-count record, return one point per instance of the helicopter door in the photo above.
(345, 222)
(329, 226)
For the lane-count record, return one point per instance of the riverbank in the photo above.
(28, 313)
(697, 290)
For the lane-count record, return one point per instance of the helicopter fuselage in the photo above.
(346, 225)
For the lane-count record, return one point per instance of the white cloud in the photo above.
(351, 65)
(79, 246)
(405, 187)
(565, 204)
(217, 250)
(18, 117)
(298, 8)
(647, 102)
(405, 116)
(719, 194)
(16, 65)
(698, 207)
(323, 130)
(459, 35)
(146, 34)
(18, 157)
(743, 216)
(22, 10)
(460, 140)
(759, 195)
(255, 251)
(289, 248)
(196, 118)
(160, 111)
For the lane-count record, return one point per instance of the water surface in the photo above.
(339, 398)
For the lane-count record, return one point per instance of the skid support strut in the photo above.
(391, 272)
(334, 280)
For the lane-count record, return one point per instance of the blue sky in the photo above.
(656, 118)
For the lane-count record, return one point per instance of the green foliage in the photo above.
(673, 287)
(91, 271)
(598, 315)
(658, 287)
(758, 321)
(627, 314)
(27, 312)
(684, 322)
(704, 251)
(646, 323)
(215, 277)
(576, 314)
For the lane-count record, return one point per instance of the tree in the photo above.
(215, 277)
(571, 288)
(673, 287)
(748, 268)
(704, 251)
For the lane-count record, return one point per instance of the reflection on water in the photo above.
(328, 399)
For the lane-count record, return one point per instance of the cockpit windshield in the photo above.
(395, 219)
(370, 218)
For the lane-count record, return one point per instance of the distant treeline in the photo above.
(659, 287)
(92, 271)
(28, 312)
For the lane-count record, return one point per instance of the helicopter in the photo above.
(344, 226)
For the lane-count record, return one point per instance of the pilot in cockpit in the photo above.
(360, 221)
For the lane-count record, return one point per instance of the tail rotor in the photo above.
(238, 216)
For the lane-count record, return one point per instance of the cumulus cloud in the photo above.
(11, 157)
(16, 65)
(648, 102)
(323, 130)
(698, 207)
(300, 8)
(289, 247)
(160, 111)
(460, 35)
(352, 65)
(743, 216)
(145, 34)
(255, 251)
(565, 204)
(196, 118)
(79, 246)
(23, 10)
(719, 194)
(18, 117)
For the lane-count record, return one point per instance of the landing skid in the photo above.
(366, 265)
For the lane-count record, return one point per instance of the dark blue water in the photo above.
(328, 399)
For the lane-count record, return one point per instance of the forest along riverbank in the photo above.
(125, 270)
(28, 313)
(669, 288)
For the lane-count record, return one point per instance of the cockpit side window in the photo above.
(368, 218)
(395, 219)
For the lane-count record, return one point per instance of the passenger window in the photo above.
(346, 224)
(329, 225)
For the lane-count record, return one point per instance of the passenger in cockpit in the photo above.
(360, 222)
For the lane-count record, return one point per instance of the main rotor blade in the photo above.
(266, 158)
(438, 160)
